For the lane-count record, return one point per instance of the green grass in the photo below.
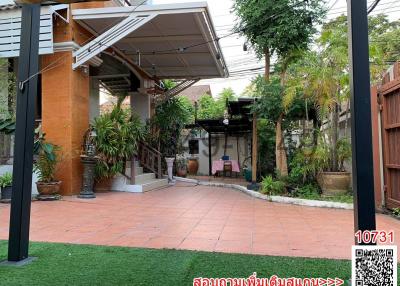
(62, 264)
(345, 198)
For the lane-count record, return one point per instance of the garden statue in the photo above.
(89, 160)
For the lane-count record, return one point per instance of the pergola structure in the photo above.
(239, 123)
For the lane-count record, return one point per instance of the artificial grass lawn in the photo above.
(65, 264)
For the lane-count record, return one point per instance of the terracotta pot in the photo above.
(48, 189)
(103, 185)
(6, 193)
(334, 183)
(181, 172)
(193, 166)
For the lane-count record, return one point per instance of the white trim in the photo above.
(110, 37)
(65, 46)
(72, 46)
(118, 12)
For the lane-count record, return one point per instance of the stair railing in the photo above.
(150, 159)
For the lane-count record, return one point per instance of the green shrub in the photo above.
(270, 186)
(118, 134)
(308, 191)
(47, 160)
(396, 211)
(6, 180)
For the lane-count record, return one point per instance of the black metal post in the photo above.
(361, 126)
(24, 134)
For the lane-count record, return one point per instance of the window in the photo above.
(194, 147)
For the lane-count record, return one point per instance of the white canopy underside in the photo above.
(172, 27)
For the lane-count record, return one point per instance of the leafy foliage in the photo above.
(118, 133)
(47, 158)
(279, 25)
(210, 108)
(270, 186)
(170, 119)
(270, 104)
(309, 191)
(6, 180)
(7, 125)
(396, 212)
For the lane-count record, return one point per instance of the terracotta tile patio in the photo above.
(197, 218)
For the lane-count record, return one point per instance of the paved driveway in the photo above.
(197, 218)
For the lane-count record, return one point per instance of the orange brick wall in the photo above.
(65, 116)
(65, 104)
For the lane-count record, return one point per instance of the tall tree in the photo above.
(281, 27)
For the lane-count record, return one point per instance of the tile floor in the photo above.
(197, 218)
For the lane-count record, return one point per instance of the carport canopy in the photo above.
(176, 41)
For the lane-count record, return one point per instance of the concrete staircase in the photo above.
(143, 181)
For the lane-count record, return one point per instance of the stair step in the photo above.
(128, 164)
(144, 178)
(155, 184)
(139, 171)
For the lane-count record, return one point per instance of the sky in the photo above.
(232, 47)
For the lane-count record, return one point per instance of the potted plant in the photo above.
(45, 166)
(6, 186)
(332, 177)
(118, 133)
(181, 167)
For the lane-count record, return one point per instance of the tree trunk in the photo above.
(267, 64)
(281, 158)
(280, 151)
(335, 137)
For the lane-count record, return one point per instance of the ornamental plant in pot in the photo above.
(45, 166)
(6, 186)
(118, 134)
(332, 177)
(181, 167)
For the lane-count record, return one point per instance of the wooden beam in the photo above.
(209, 155)
(254, 152)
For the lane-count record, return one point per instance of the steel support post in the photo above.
(361, 126)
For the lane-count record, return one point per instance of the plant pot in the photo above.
(193, 166)
(103, 185)
(181, 172)
(48, 189)
(247, 175)
(334, 183)
(6, 193)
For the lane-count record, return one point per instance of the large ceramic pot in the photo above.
(334, 183)
(6, 193)
(48, 189)
(181, 172)
(193, 166)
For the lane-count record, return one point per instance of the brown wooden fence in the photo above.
(389, 94)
